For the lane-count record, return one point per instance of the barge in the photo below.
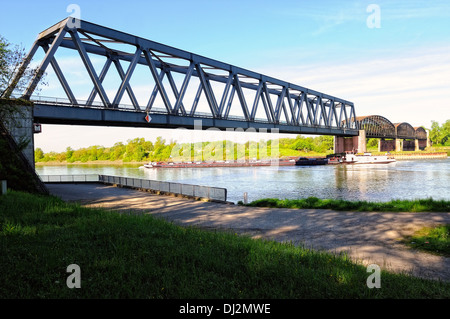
(304, 161)
(250, 163)
(365, 158)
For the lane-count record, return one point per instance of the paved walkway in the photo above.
(369, 237)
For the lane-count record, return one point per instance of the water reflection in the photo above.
(382, 182)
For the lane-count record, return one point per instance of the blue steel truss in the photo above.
(299, 105)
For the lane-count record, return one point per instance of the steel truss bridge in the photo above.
(284, 106)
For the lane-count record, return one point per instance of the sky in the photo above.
(390, 58)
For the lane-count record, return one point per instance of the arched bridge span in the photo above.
(377, 126)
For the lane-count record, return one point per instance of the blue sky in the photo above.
(400, 70)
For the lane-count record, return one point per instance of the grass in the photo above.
(435, 240)
(140, 256)
(419, 205)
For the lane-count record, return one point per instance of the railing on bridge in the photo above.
(208, 192)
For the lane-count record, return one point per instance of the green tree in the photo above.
(435, 133)
(446, 133)
(38, 154)
(372, 143)
(69, 154)
(11, 58)
(440, 134)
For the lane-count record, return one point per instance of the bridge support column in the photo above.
(20, 126)
(362, 145)
(338, 144)
(416, 145)
(351, 144)
(398, 145)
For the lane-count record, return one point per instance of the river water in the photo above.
(380, 182)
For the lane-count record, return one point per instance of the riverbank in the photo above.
(65, 163)
(136, 255)
(396, 155)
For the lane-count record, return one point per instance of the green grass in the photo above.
(140, 256)
(435, 240)
(419, 205)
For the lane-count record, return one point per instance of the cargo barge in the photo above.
(250, 163)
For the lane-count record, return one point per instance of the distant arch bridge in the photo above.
(377, 126)
(393, 136)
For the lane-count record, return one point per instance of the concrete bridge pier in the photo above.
(398, 145)
(20, 126)
(355, 144)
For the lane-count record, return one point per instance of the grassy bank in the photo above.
(434, 240)
(139, 256)
(419, 205)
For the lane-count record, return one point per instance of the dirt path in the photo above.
(369, 237)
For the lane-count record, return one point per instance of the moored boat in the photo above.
(365, 158)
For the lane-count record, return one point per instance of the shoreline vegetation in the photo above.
(140, 151)
(417, 205)
(139, 256)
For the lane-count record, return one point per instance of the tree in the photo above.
(440, 134)
(446, 133)
(11, 58)
(435, 133)
(38, 154)
(69, 154)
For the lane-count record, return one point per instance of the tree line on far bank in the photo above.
(141, 150)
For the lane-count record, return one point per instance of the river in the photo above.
(382, 182)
